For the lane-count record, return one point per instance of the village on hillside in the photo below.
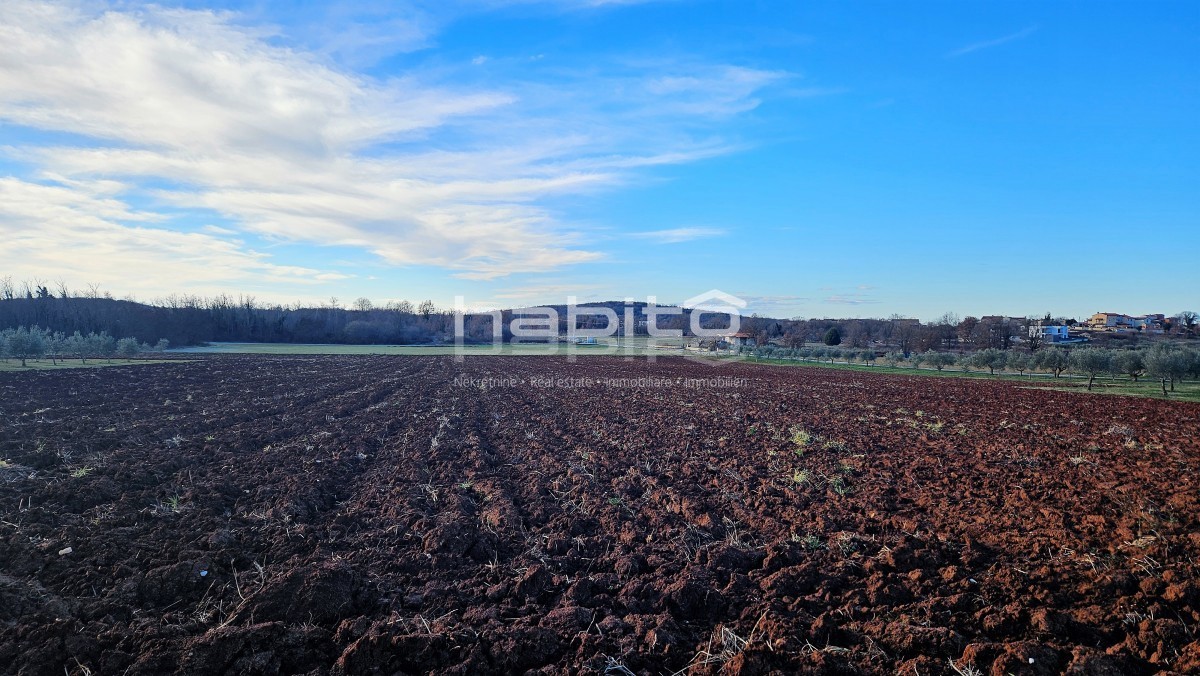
(949, 332)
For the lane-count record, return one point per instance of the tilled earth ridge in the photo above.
(357, 515)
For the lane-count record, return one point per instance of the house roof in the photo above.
(741, 334)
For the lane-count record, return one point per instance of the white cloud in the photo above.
(677, 235)
(192, 110)
(79, 236)
(191, 81)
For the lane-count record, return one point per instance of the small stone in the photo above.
(65, 551)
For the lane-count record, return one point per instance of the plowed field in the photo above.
(416, 515)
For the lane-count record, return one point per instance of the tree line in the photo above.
(25, 343)
(193, 320)
(1167, 362)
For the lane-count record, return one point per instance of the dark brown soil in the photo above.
(362, 515)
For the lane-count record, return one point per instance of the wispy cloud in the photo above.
(196, 110)
(554, 293)
(677, 235)
(571, 4)
(773, 305)
(988, 44)
(725, 90)
(850, 299)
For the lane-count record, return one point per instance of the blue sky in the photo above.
(816, 159)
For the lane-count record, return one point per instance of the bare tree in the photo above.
(966, 330)
(947, 329)
(1034, 335)
(903, 333)
(402, 306)
(1187, 319)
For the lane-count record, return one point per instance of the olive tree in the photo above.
(990, 359)
(1019, 362)
(1129, 363)
(22, 343)
(1091, 362)
(1193, 364)
(55, 345)
(1053, 360)
(940, 360)
(128, 347)
(1168, 363)
(102, 344)
(75, 344)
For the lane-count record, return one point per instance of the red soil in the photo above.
(369, 515)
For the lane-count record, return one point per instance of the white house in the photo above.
(1050, 334)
